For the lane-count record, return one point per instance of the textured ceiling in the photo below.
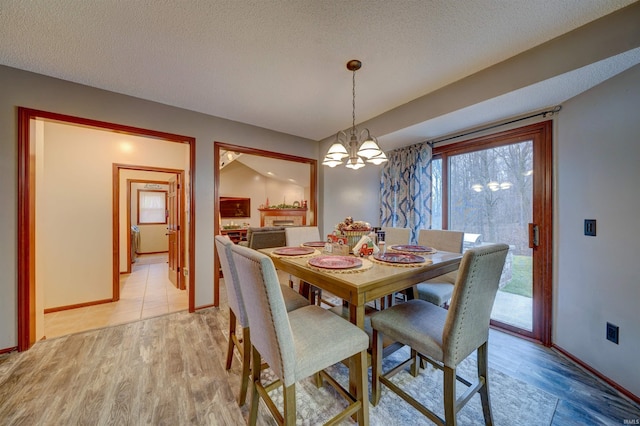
(281, 64)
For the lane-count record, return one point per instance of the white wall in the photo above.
(347, 192)
(21, 88)
(597, 278)
(238, 180)
(74, 231)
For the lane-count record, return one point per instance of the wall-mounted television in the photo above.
(235, 207)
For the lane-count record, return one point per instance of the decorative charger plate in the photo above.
(314, 244)
(335, 262)
(398, 258)
(293, 251)
(412, 248)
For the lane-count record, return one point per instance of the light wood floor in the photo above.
(144, 293)
(170, 370)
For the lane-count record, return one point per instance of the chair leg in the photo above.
(415, 364)
(484, 390)
(376, 367)
(246, 365)
(449, 396)
(232, 333)
(289, 396)
(255, 396)
(360, 364)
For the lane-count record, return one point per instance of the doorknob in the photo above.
(534, 235)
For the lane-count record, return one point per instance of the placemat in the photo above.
(315, 253)
(403, 265)
(366, 265)
(417, 253)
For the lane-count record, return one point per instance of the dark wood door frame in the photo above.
(313, 194)
(116, 216)
(26, 208)
(541, 135)
(129, 182)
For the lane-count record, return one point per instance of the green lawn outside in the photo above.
(521, 279)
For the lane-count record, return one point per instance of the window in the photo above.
(152, 207)
(497, 188)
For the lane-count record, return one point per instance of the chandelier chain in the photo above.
(353, 122)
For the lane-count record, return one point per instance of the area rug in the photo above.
(512, 401)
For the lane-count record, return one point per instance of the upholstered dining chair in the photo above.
(237, 312)
(396, 236)
(295, 236)
(438, 290)
(293, 353)
(444, 337)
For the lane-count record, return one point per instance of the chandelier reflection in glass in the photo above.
(357, 145)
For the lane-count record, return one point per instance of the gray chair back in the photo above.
(270, 328)
(396, 236)
(467, 325)
(234, 294)
(444, 240)
(296, 235)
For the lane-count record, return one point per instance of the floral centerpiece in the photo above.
(353, 230)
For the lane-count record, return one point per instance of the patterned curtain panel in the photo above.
(405, 188)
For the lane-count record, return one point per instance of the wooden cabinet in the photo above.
(235, 235)
(283, 217)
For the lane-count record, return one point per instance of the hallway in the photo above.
(144, 293)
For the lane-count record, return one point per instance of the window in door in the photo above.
(496, 189)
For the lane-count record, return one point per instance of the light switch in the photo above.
(590, 227)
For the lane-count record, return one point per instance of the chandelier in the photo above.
(357, 145)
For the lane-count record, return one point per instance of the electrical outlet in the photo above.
(612, 332)
(590, 227)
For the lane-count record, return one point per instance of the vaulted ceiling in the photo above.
(281, 64)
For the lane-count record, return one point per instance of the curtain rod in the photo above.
(552, 111)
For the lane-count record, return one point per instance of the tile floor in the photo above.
(145, 292)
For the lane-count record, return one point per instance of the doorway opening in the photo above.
(81, 249)
(497, 188)
(224, 154)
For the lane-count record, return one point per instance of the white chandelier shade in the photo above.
(356, 146)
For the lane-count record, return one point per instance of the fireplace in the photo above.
(283, 217)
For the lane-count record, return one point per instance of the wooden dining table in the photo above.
(372, 283)
(375, 280)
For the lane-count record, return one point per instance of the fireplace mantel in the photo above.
(277, 217)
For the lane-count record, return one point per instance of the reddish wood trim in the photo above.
(115, 232)
(598, 374)
(128, 218)
(206, 306)
(116, 217)
(312, 204)
(78, 305)
(7, 350)
(190, 203)
(26, 232)
(216, 220)
(541, 134)
(26, 210)
(129, 182)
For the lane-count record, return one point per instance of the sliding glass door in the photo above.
(497, 189)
